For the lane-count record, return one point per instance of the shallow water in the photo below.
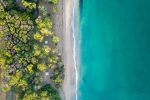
(115, 50)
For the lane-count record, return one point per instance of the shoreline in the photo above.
(64, 29)
(69, 86)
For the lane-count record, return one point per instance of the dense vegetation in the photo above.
(24, 56)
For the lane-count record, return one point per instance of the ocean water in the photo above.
(114, 50)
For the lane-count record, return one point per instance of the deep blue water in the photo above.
(115, 50)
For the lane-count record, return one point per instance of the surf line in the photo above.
(74, 46)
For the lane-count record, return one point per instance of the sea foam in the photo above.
(74, 31)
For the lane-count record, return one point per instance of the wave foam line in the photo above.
(74, 48)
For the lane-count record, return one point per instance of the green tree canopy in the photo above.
(41, 67)
(55, 39)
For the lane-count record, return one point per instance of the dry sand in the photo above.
(62, 26)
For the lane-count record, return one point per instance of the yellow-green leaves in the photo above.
(14, 79)
(25, 56)
(44, 93)
(28, 4)
(46, 49)
(30, 96)
(29, 68)
(53, 1)
(2, 62)
(34, 60)
(37, 50)
(54, 50)
(44, 31)
(44, 25)
(41, 67)
(22, 83)
(38, 36)
(55, 39)
(6, 88)
(58, 80)
(1, 8)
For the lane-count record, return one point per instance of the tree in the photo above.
(37, 52)
(44, 22)
(23, 84)
(44, 94)
(53, 94)
(2, 61)
(21, 59)
(43, 10)
(57, 76)
(31, 96)
(41, 67)
(57, 80)
(14, 79)
(6, 88)
(44, 31)
(53, 1)
(34, 60)
(28, 4)
(29, 68)
(37, 36)
(46, 49)
(55, 39)
(53, 50)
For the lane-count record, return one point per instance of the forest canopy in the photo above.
(24, 56)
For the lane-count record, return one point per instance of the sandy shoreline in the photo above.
(70, 78)
(62, 27)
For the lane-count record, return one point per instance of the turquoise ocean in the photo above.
(114, 50)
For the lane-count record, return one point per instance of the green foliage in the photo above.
(41, 67)
(29, 68)
(34, 60)
(53, 50)
(23, 56)
(55, 39)
(53, 1)
(23, 84)
(38, 36)
(28, 4)
(6, 89)
(44, 25)
(30, 96)
(46, 32)
(43, 10)
(46, 49)
(14, 79)
(44, 22)
(45, 93)
(51, 92)
(37, 51)
(2, 61)
(58, 76)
